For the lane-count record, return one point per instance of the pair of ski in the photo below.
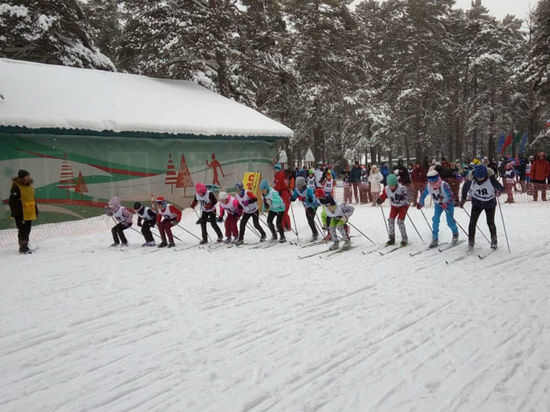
(383, 250)
(462, 257)
(328, 252)
(442, 247)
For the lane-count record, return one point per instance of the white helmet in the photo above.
(223, 196)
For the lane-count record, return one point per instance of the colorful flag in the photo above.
(501, 142)
(507, 142)
(523, 143)
(517, 138)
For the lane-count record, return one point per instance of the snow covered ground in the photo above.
(86, 327)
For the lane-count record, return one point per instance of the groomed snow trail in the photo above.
(86, 327)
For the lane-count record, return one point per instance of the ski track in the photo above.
(235, 329)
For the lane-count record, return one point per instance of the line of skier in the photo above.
(481, 187)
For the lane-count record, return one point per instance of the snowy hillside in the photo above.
(87, 327)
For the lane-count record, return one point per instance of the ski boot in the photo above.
(219, 240)
(171, 244)
(114, 244)
(227, 241)
(24, 250)
(493, 242)
(455, 239)
(347, 244)
(262, 238)
(391, 241)
(314, 238)
(203, 242)
(239, 242)
(163, 244)
(273, 238)
(282, 239)
(147, 244)
(404, 242)
(334, 246)
(433, 243)
(123, 244)
(470, 248)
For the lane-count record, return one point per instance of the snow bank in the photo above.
(87, 327)
(49, 96)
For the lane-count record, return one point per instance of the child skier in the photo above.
(482, 188)
(167, 216)
(443, 198)
(311, 179)
(328, 183)
(276, 207)
(347, 187)
(509, 178)
(146, 220)
(336, 217)
(208, 211)
(249, 204)
(306, 195)
(123, 219)
(375, 179)
(399, 201)
(230, 205)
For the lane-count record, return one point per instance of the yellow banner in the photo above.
(251, 181)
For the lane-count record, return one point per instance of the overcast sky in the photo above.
(498, 8)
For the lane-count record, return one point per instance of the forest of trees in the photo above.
(398, 78)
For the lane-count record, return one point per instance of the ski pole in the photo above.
(252, 229)
(200, 218)
(188, 231)
(458, 224)
(384, 218)
(426, 219)
(413, 225)
(368, 238)
(503, 225)
(478, 229)
(294, 219)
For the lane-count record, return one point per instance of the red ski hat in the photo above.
(200, 188)
(160, 199)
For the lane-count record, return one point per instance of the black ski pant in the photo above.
(118, 233)
(310, 215)
(256, 222)
(279, 215)
(209, 217)
(489, 214)
(146, 230)
(23, 232)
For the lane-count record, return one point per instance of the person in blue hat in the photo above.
(482, 187)
(443, 198)
(276, 208)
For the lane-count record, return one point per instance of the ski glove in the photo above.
(444, 206)
(498, 193)
(462, 204)
(379, 201)
(418, 206)
(219, 219)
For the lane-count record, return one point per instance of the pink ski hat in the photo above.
(510, 165)
(200, 188)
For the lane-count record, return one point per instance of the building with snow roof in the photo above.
(86, 135)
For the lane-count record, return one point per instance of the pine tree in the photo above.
(171, 177)
(66, 176)
(49, 31)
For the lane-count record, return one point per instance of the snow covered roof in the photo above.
(34, 95)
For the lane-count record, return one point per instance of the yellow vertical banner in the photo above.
(251, 181)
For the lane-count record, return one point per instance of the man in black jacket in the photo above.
(355, 178)
(23, 208)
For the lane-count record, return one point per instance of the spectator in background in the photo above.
(354, 179)
(419, 180)
(540, 169)
(23, 208)
(375, 181)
